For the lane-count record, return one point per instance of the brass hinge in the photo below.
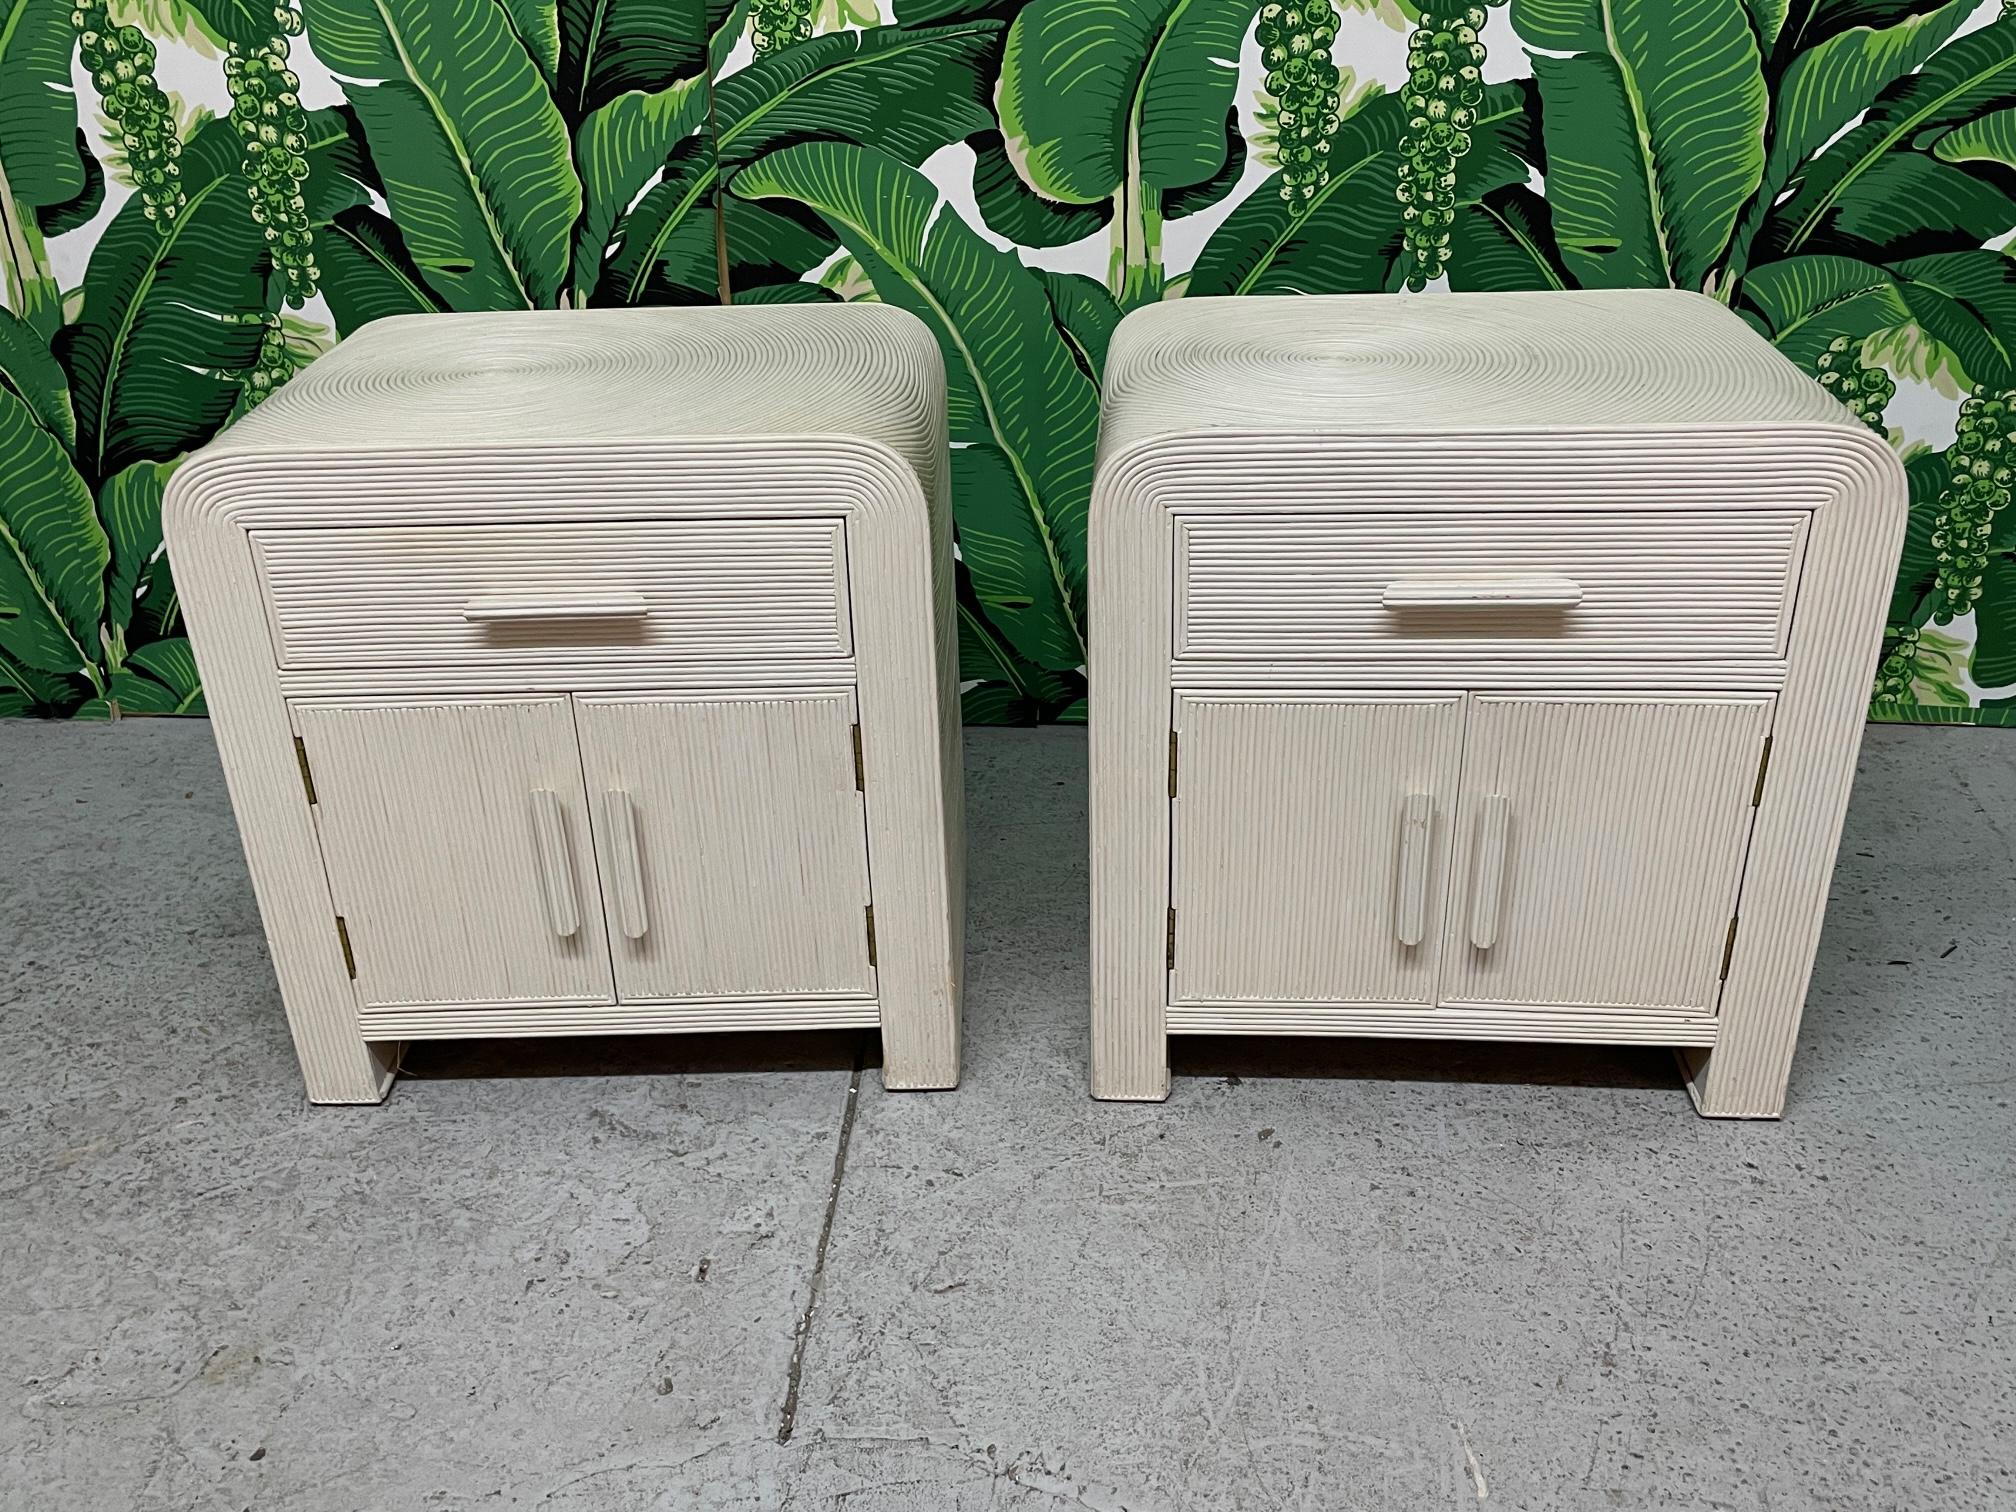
(860, 771)
(1763, 766)
(870, 912)
(1728, 950)
(1172, 763)
(343, 938)
(1170, 955)
(301, 760)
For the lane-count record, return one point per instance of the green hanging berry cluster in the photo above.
(1899, 666)
(273, 137)
(1978, 480)
(776, 24)
(1866, 390)
(1444, 88)
(121, 62)
(273, 367)
(1306, 88)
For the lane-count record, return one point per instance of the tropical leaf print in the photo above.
(1024, 412)
(1019, 173)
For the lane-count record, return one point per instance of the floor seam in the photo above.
(787, 1422)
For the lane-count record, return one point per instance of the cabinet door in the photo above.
(730, 838)
(1310, 846)
(1598, 849)
(457, 848)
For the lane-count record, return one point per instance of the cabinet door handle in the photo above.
(1490, 871)
(1523, 590)
(556, 875)
(1417, 816)
(488, 608)
(619, 818)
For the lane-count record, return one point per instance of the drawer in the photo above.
(545, 594)
(1493, 583)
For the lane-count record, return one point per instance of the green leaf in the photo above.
(1918, 565)
(472, 150)
(38, 112)
(52, 552)
(157, 679)
(366, 271)
(1808, 23)
(1505, 242)
(1986, 139)
(1203, 195)
(1967, 302)
(665, 249)
(1014, 210)
(130, 506)
(1804, 303)
(29, 690)
(170, 314)
(905, 91)
(1094, 92)
(246, 22)
(30, 371)
(610, 48)
(1843, 192)
(82, 207)
(619, 148)
(1029, 414)
(1348, 240)
(1994, 663)
(1086, 315)
(1011, 690)
(1829, 85)
(1654, 135)
(536, 23)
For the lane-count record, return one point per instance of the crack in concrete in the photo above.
(787, 1422)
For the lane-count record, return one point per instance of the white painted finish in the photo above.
(488, 608)
(1599, 842)
(1417, 829)
(1262, 425)
(515, 595)
(749, 839)
(623, 863)
(457, 849)
(1487, 865)
(606, 454)
(1528, 590)
(1488, 583)
(556, 867)
(1289, 821)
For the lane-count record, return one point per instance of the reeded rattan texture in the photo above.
(738, 520)
(1703, 543)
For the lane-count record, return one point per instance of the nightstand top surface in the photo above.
(593, 378)
(1394, 363)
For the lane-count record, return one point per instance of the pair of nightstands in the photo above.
(1478, 667)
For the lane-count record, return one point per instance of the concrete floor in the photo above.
(621, 1275)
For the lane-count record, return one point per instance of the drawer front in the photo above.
(543, 594)
(1493, 584)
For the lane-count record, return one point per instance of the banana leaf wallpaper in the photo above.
(199, 196)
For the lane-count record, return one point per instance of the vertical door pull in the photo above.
(1417, 815)
(556, 876)
(619, 818)
(1490, 871)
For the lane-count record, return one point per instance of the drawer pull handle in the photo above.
(1535, 590)
(491, 608)
(556, 875)
(1417, 814)
(619, 818)
(1485, 902)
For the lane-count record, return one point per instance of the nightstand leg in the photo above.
(353, 1071)
(1726, 1084)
